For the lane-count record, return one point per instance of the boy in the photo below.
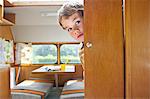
(70, 17)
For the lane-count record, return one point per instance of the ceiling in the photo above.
(35, 15)
(36, 12)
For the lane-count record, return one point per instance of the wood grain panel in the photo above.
(137, 28)
(104, 65)
(4, 83)
(5, 32)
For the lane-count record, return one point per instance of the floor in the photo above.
(54, 93)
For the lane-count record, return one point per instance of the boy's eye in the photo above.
(77, 22)
(69, 29)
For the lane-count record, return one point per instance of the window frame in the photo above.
(47, 44)
(58, 45)
(60, 51)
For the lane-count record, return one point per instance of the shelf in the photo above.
(1, 12)
(6, 18)
(7, 3)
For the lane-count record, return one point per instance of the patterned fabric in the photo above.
(6, 51)
(9, 51)
(23, 53)
(81, 54)
(2, 52)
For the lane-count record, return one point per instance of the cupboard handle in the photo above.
(89, 44)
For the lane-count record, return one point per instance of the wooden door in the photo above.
(137, 29)
(104, 61)
(4, 82)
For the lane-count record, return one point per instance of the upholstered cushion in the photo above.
(73, 96)
(73, 85)
(36, 86)
(73, 89)
(30, 85)
(24, 96)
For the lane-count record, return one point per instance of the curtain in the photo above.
(9, 51)
(6, 51)
(2, 54)
(23, 53)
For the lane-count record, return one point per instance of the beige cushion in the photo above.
(43, 87)
(73, 89)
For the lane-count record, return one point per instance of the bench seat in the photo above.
(73, 89)
(30, 89)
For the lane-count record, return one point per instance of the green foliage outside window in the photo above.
(47, 54)
(44, 54)
(69, 52)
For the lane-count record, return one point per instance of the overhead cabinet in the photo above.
(6, 18)
(1, 9)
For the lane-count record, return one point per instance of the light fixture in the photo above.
(48, 13)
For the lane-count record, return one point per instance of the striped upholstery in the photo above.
(30, 90)
(73, 89)
(24, 96)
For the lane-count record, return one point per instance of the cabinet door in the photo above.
(4, 83)
(104, 61)
(137, 28)
(1, 9)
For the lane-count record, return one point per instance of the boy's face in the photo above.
(74, 25)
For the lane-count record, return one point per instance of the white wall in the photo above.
(31, 26)
(40, 33)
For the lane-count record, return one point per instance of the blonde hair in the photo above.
(69, 9)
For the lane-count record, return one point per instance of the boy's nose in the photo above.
(76, 32)
(75, 27)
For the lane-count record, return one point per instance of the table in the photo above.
(50, 69)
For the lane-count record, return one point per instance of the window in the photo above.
(44, 54)
(69, 53)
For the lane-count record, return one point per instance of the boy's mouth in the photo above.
(80, 35)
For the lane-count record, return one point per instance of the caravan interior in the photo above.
(40, 56)
(39, 60)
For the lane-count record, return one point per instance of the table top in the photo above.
(55, 69)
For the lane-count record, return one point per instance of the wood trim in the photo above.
(58, 53)
(10, 17)
(41, 80)
(50, 42)
(72, 91)
(5, 22)
(18, 74)
(7, 3)
(33, 5)
(53, 72)
(33, 65)
(42, 94)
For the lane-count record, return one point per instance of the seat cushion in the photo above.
(73, 85)
(73, 89)
(32, 85)
(24, 96)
